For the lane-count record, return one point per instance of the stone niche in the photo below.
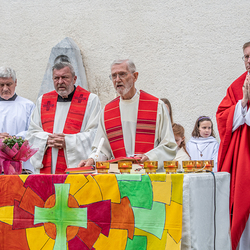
(66, 50)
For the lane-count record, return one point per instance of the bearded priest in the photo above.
(63, 124)
(134, 124)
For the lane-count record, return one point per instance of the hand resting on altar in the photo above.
(85, 163)
(142, 158)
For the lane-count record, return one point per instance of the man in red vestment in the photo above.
(134, 124)
(233, 119)
(63, 124)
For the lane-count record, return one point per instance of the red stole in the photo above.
(72, 125)
(145, 128)
(234, 157)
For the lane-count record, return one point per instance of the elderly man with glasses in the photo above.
(233, 119)
(134, 124)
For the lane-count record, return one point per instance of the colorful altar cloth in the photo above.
(120, 212)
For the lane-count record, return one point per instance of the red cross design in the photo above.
(48, 105)
(80, 98)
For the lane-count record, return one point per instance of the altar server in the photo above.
(135, 123)
(203, 145)
(233, 119)
(15, 111)
(63, 124)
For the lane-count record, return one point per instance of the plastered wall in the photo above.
(187, 51)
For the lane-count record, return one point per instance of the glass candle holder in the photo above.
(199, 165)
(150, 166)
(209, 164)
(188, 166)
(170, 166)
(125, 166)
(102, 167)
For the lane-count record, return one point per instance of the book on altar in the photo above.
(134, 159)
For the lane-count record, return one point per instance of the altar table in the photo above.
(120, 212)
(199, 209)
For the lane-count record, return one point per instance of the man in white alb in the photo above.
(63, 124)
(134, 124)
(15, 111)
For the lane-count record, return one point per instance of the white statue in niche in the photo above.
(64, 51)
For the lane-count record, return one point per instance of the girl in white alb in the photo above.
(203, 145)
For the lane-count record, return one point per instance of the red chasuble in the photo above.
(72, 125)
(234, 157)
(145, 128)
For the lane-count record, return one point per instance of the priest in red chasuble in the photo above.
(134, 124)
(233, 119)
(63, 124)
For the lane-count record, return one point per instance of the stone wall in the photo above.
(187, 51)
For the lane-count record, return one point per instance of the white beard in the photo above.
(122, 91)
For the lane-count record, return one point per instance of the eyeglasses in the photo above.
(245, 58)
(121, 75)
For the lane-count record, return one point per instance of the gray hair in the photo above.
(130, 64)
(61, 65)
(6, 72)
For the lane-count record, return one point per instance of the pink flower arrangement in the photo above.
(13, 151)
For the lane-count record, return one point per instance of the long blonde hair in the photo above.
(167, 102)
(179, 131)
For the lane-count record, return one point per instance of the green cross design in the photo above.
(61, 215)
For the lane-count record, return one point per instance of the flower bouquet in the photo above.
(13, 151)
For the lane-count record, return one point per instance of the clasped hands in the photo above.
(246, 91)
(56, 140)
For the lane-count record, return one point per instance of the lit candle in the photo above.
(150, 166)
(102, 166)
